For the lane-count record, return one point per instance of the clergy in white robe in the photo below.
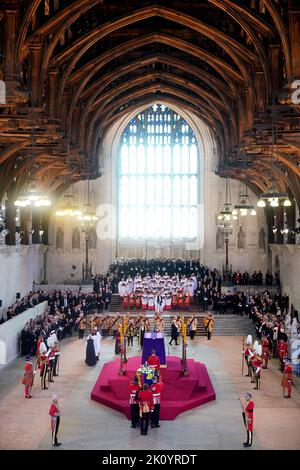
(122, 288)
(97, 342)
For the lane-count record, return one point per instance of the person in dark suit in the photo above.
(174, 333)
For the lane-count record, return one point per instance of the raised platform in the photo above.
(180, 393)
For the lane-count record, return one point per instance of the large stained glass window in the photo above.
(158, 193)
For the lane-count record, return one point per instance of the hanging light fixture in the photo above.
(273, 197)
(226, 213)
(88, 220)
(68, 208)
(244, 204)
(32, 196)
(87, 217)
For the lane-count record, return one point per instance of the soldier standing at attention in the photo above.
(145, 398)
(44, 363)
(156, 388)
(265, 352)
(210, 323)
(153, 360)
(287, 379)
(28, 376)
(54, 413)
(248, 410)
(134, 406)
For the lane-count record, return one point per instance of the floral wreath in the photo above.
(146, 370)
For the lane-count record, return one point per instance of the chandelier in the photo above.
(273, 197)
(68, 209)
(243, 205)
(227, 214)
(33, 198)
(87, 217)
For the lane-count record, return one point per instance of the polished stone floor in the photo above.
(88, 425)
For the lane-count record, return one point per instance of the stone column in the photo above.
(45, 226)
(10, 41)
(36, 225)
(279, 223)
(26, 225)
(260, 90)
(52, 77)
(35, 62)
(274, 51)
(270, 222)
(10, 221)
(294, 32)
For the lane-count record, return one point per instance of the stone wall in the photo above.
(104, 197)
(20, 267)
(286, 258)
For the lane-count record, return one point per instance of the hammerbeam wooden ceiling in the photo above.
(72, 68)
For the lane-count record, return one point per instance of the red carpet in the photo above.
(180, 393)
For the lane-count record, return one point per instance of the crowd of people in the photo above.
(271, 320)
(155, 284)
(21, 305)
(124, 268)
(77, 312)
(62, 315)
(157, 292)
(256, 278)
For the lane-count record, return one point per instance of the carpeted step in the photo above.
(105, 385)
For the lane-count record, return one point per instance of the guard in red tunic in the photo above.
(54, 413)
(145, 398)
(287, 379)
(257, 365)
(153, 360)
(248, 410)
(134, 404)
(56, 358)
(248, 354)
(51, 359)
(283, 352)
(28, 377)
(156, 388)
(44, 363)
(265, 352)
(125, 301)
(40, 340)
